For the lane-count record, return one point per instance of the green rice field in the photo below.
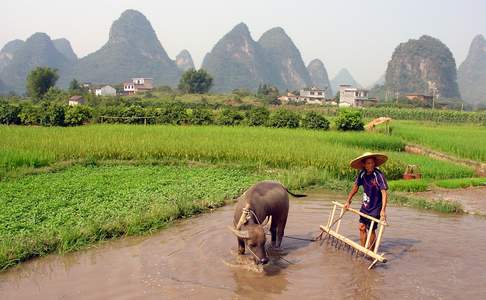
(328, 151)
(64, 188)
(462, 140)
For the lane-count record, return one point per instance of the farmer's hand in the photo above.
(346, 205)
(383, 216)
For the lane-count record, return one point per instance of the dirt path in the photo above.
(472, 199)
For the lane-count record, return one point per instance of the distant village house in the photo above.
(105, 91)
(311, 95)
(288, 98)
(138, 85)
(76, 100)
(351, 96)
(419, 97)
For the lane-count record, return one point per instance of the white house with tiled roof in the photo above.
(138, 85)
(105, 91)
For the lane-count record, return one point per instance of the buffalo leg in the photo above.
(241, 246)
(280, 231)
(273, 231)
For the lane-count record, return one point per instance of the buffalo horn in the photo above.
(243, 218)
(267, 222)
(242, 234)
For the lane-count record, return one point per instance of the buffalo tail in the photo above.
(295, 195)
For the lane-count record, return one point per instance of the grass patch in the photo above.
(418, 185)
(422, 203)
(460, 183)
(462, 140)
(421, 185)
(67, 210)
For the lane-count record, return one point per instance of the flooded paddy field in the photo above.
(430, 256)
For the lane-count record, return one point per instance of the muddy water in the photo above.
(431, 256)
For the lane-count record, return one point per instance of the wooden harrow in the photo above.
(367, 250)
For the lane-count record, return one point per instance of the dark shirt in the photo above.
(372, 184)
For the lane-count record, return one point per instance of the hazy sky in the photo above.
(358, 35)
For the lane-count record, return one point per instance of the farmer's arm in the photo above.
(351, 195)
(384, 198)
(384, 195)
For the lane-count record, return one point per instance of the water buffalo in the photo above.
(265, 204)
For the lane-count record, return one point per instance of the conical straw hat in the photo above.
(358, 162)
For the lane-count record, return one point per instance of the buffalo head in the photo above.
(254, 237)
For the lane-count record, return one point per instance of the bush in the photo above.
(77, 115)
(313, 120)
(30, 114)
(201, 116)
(257, 116)
(132, 114)
(174, 113)
(229, 117)
(40, 80)
(9, 113)
(55, 94)
(53, 114)
(195, 82)
(284, 118)
(349, 120)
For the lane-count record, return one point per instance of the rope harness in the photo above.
(245, 216)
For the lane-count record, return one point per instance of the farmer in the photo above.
(374, 195)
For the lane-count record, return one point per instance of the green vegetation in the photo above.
(431, 168)
(257, 116)
(417, 185)
(466, 141)
(329, 151)
(460, 182)
(75, 87)
(83, 205)
(195, 82)
(434, 115)
(107, 181)
(314, 120)
(422, 203)
(421, 185)
(40, 80)
(229, 117)
(282, 118)
(349, 120)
